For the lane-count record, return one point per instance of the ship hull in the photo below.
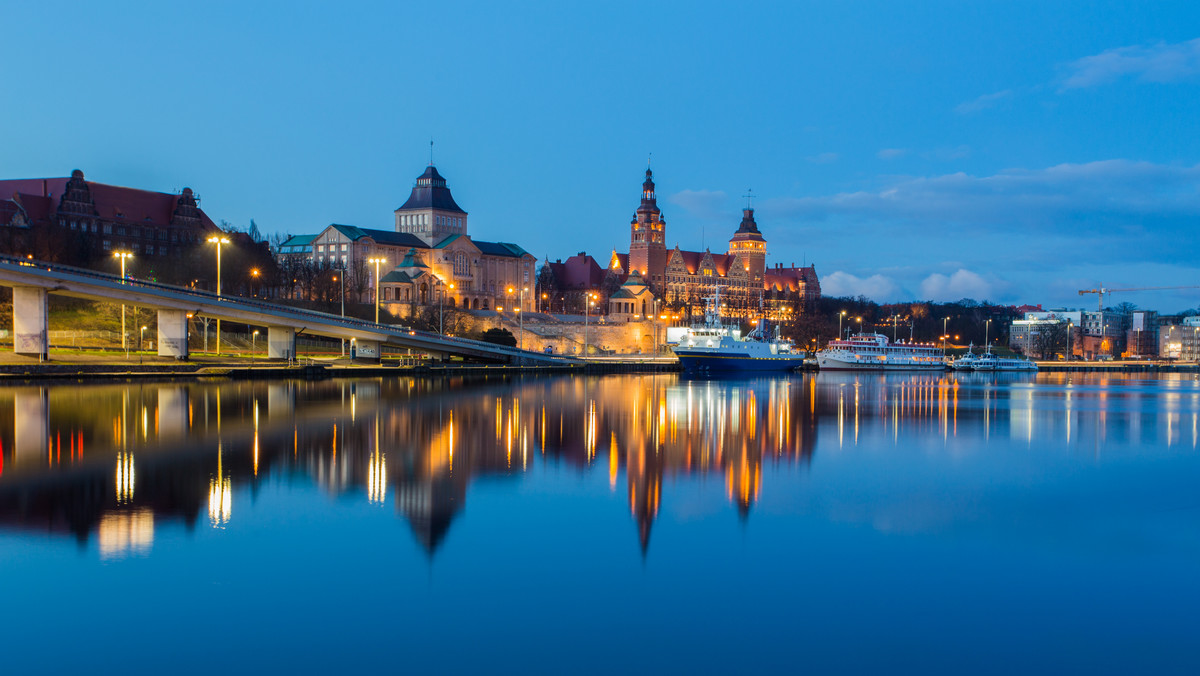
(827, 363)
(709, 361)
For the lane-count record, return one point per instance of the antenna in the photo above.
(648, 156)
(431, 152)
(749, 198)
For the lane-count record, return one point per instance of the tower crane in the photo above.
(1102, 292)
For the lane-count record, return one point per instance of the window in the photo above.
(321, 247)
(343, 249)
(107, 245)
(108, 228)
(120, 230)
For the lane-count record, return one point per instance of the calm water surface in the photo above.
(624, 524)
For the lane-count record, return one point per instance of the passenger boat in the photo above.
(966, 362)
(874, 352)
(714, 348)
(990, 362)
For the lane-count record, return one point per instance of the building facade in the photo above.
(429, 257)
(682, 278)
(80, 222)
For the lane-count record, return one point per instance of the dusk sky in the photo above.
(1009, 151)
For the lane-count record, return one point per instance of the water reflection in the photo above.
(114, 462)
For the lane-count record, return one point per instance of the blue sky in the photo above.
(1010, 151)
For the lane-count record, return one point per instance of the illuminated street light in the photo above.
(123, 256)
(840, 315)
(376, 262)
(218, 240)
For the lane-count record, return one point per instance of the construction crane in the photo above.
(1102, 292)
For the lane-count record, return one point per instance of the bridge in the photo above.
(32, 281)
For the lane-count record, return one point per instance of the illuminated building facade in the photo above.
(684, 278)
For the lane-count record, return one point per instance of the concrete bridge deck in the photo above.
(33, 280)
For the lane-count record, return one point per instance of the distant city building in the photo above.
(80, 222)
(1180, 339)
(1044, 334)
(430, 256)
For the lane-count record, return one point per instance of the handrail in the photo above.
(300, 312)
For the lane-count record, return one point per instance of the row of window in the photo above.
(160, 234)
(332, 248)
(147, 250)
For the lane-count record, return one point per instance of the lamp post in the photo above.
(376, 262)
(253, 278)
(1070, 325)
(218, 240)
(987, 325)
(123, 256)
(441, 300)
(587, 309)
(141, 337)
(341, 278)
(253, 343)
(945, 320)
(840, 315)
(520, 317)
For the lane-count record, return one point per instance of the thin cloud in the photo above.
(982, 102)
(962, 284)
(702, 204)
(891, 153)
(1161, 62)
(876, 286)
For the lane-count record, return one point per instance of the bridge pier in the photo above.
(281, 342)
(30, 321)
(364, 349)
(172, 334)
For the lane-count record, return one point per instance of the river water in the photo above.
(832, 523)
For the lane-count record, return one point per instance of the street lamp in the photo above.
(141, 337)
(218, 240)
(1070, 324)
(587, 309)
(987, 325)
(945, 320)
(376, 262)
(441, 300)
(253, 278)
(520, 317)
(840, 315)
(342, 278)
(253, 343)
(123, 256)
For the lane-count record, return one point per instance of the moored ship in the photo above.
(715, 348)
(874, 352)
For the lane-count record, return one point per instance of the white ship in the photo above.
(966, 362)
(990, 362)
(716, 348)
(874, 352)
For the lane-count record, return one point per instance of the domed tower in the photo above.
(749, 244)
(431, 212)
(647, 237)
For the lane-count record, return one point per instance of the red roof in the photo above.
(114, 203)
(578, 272)
(790, 279)
(692, 260)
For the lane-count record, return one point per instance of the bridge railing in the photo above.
(349, 322)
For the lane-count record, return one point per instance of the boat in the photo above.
(966, 362)
(715, 348)
(990, 362)
(874, 352)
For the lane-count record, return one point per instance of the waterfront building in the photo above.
(1104, 333)
(1043, 334)
(430, 257)
(682, 278)
(1180, 339)
(79, 222)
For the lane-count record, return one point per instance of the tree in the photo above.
(1125, 308)
(1049, 339)
(500, 337)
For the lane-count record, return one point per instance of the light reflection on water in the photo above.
(943, 461)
